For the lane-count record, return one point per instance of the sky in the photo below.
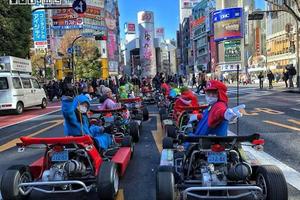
(166, 13)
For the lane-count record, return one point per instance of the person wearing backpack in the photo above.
(292, 72)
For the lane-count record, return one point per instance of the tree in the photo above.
(15, 25)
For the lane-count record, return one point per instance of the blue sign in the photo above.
(228, 24)
(79, 6)
(70, 50)
(228, 13)
(39, 26)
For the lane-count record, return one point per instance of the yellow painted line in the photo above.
(294, 121)
(282, 125)
(120, 195)
(158, 134)
(12, 143)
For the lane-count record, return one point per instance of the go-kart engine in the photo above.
(55, 173)
(212, 177)
(74, 167)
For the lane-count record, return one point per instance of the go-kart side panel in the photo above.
(55, 140)
(96, 159)
(37, 168)
(122, 158)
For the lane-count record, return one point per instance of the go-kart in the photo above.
(69, 165)
(212, 167)
(119, 121)
(179, 121)
(149, 97)
(137, 110)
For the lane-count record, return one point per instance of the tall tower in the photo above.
(146, 39)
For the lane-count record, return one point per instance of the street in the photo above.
(274, 114)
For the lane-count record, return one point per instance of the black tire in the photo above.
(134, 131)
(165, 186)
(271, 179)
(108, 181)
(11, 178)
(168, 143)
(127, 142)
(145, 114)
(171, 131)
(44, 103)
(19, 108)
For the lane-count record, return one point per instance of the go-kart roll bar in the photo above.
(86, 139)
(216, 139)
(131, 100)
(109, 110)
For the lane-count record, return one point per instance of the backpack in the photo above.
(293, 71)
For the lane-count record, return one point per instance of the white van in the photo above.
(18, 89)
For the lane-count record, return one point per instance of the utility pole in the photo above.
(73, 67)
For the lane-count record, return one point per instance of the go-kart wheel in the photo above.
(271, 179)
(11, 178)
(168, 143)
(108, 181)
(171, 131)
(145, 114)
(165, 186)
(127, 142)
(134, 131)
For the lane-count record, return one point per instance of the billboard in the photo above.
(227, 24)
(197, 22)
(232, 50)
(111, 44)
(129, 28)
(145, 17)
(39, 26)
(213, 53)
(189, 4)
(160, 32)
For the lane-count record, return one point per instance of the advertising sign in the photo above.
(111, 44)
(113, 66)
(232, 50)
(189, 4)
(110, 23)
(129, 28)
(227, 24)
(39, 26)
(257, 41)
(145, 17)
(67, 22)
(160, 32)
(197, 22)
(213, 53)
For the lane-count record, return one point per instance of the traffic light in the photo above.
(100, 37)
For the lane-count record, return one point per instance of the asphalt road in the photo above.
(274, 114)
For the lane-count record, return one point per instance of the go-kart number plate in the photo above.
(109, 119)
(216, 157)
(60, 156)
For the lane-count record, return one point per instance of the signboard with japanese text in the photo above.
(129, 28)
(160, 32)
(39, 26)
(189, 4)
(111, 44)
(232, 50)
(67, 22)
(227, 24)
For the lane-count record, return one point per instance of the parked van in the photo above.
(18, 89)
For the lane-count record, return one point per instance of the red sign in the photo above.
(213, 53)
(197, 22)
(257, 41)
(131, 27)
(68, 22)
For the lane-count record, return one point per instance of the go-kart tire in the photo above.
(165, 186)
(145, 114)
(171, 131)
(107, 181)
(134, 131)
(271, 179)
(127, 142)
(11, 178)
(168, 143)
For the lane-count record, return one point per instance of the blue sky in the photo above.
(166, 13)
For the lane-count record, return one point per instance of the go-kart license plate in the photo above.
(109, 119)
(217, 157)
(60, 156)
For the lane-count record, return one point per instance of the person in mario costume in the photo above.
(216, 117)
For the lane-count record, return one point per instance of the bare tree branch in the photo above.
(292, 11)
(275, 4)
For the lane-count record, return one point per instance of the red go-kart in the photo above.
(69, 165)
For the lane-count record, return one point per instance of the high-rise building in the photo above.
(185, 8)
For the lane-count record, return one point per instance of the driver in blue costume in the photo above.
(77, 123)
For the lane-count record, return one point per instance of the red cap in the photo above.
(220, 87)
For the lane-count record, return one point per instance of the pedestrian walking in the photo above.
(261, 80)
(193, 80)
(285, 78)
(292, 72)
(271, 77)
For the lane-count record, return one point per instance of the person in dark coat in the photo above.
(285, 78)
(261, 80)
(271, 77)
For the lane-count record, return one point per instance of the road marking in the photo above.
(158, 134)
(269, 111)
(282, 125)
(291, 175)
(28, 119)
(294, 121)
(120, 195)
(296, 109)
(12, 143)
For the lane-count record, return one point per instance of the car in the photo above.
(18, 89)
(214, 167)
(119, 121)
(69, 165)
